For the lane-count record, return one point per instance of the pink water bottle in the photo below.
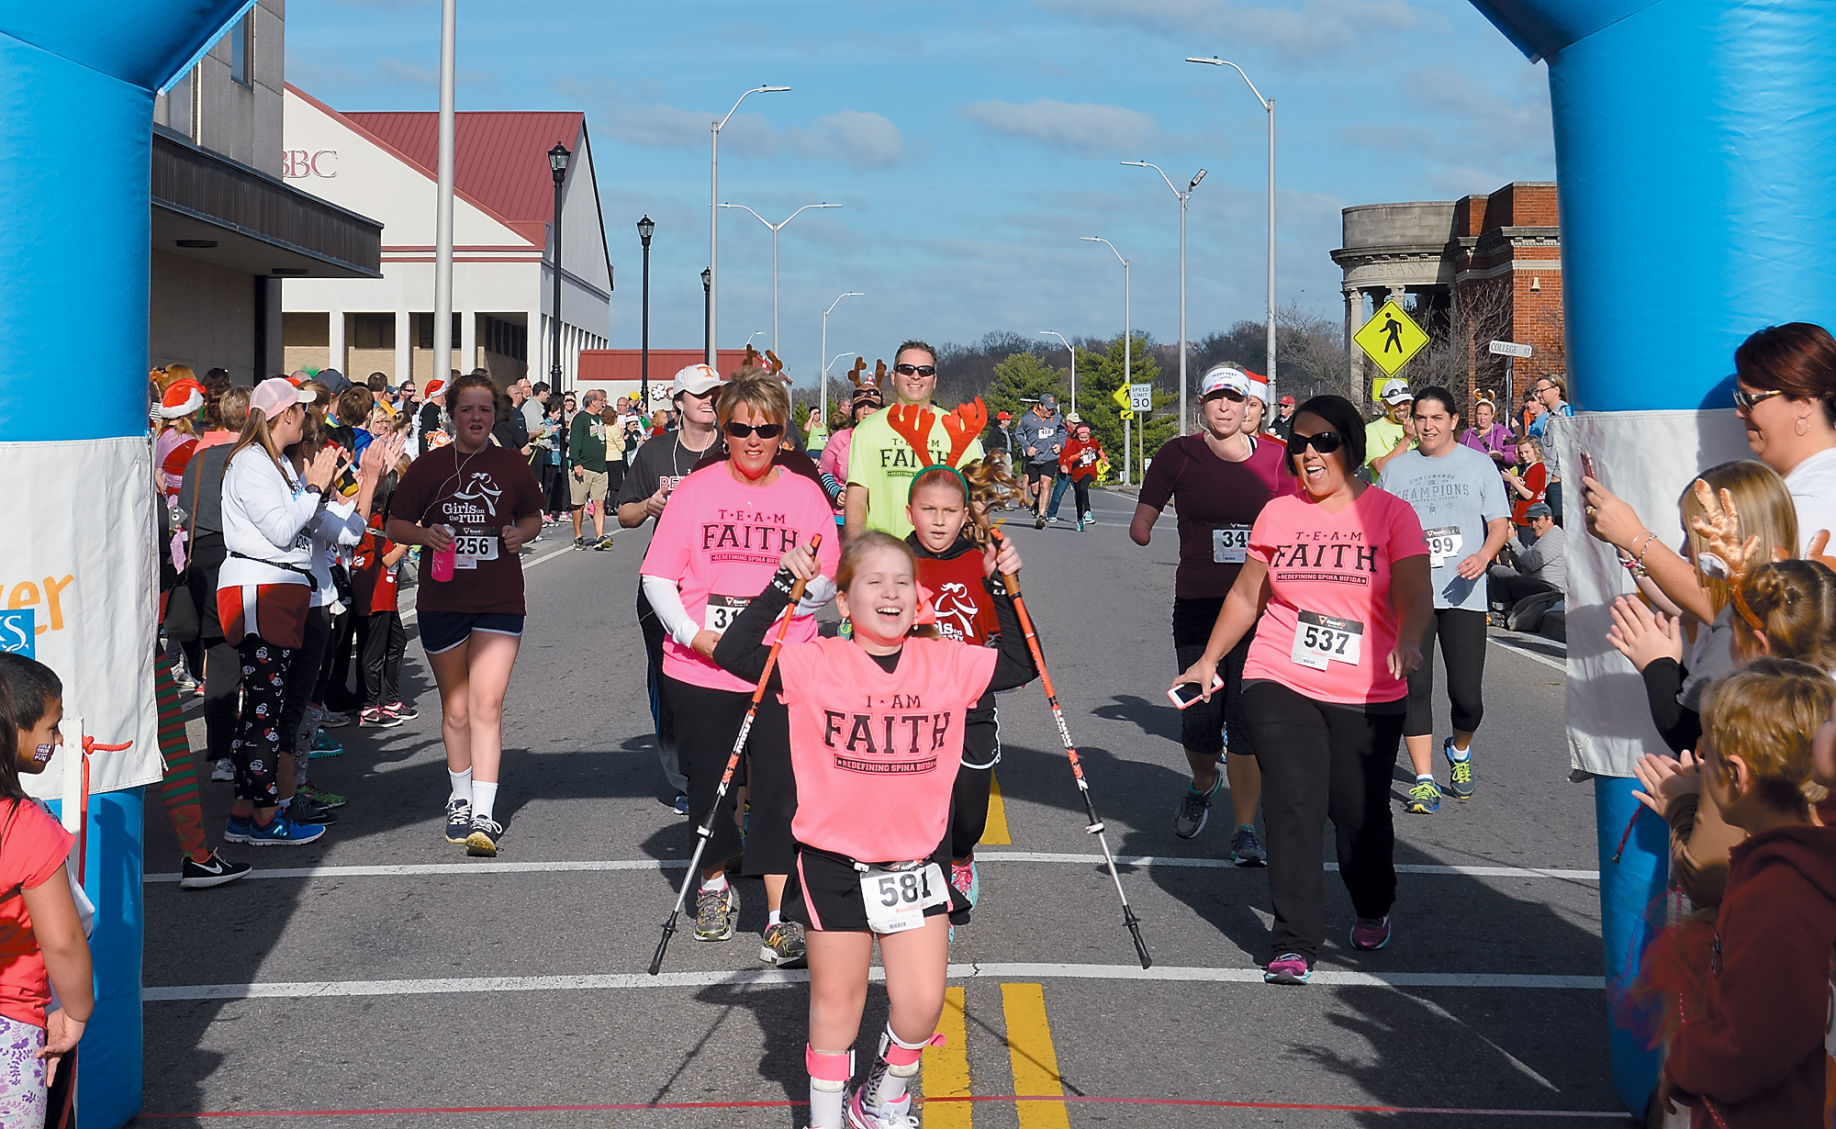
(443, 560)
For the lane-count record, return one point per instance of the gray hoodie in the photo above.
(1047, 436)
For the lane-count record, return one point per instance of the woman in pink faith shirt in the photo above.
(876, 725)
(1336, 584)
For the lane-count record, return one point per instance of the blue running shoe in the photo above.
(1246, 849)
(324, 745)
(238, 829)
(1424, 798)
(283, 832)
(1459, 771)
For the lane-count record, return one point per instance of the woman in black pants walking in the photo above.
(1336, 586)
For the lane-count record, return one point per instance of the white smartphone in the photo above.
(1186, 693)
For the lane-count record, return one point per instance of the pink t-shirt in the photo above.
(876, 754)
(1329, 626)
(834, 460)
(720, 541)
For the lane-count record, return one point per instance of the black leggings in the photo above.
(257, 744)
(1323, 761)
(707, 721)
(381, 642)
(1462, 636)
(302, 678)
(969, 795)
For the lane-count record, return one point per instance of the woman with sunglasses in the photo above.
(717, 544)
(1336, 586)
(1219, 479)
(1785, 395)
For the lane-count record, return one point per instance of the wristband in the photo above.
(784, 582)
(1637, 567)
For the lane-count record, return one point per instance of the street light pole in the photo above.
(1185, 393)
(1268, 104)
(1073, 352)
(443, 213)
(825, 349)
(1128, 347)
(775, 228)
(646, 227)
(557, 164)
(712, 273)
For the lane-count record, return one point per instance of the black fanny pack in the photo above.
(311, 580)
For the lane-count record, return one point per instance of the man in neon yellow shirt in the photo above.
(881, 463)
(1392, 433)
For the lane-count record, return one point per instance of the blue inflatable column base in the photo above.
(1632, 910)
(110, 1077)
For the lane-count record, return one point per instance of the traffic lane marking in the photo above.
(499, 867)
(996, 834)
(770, 978)
(945, 1075)
(1035, 1059)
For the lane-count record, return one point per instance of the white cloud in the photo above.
(855, 137)
(1082, 126)
(1475, 136)
(1302, 30)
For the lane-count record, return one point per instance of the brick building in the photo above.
(1481, 268)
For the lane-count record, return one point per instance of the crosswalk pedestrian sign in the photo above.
(1391, 338)
(1120, 396)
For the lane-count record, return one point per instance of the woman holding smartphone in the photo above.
(1335, 584)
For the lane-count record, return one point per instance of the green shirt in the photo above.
(586, 443)
(1381, 436)
(881, 460)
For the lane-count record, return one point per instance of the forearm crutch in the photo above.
(1077, 766)
(706, 830)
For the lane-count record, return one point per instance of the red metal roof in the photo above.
(627, 364)
(500, 159)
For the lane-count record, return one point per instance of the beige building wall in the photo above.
(199, 315)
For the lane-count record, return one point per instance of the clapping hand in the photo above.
(1663, 780)
(1642, 635)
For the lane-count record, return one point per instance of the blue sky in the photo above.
(970, 145)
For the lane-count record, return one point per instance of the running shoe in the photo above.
(678, 803)
(238, 829)
(321, 796)
(1195, 809)
(579, 544)
(1460, 771)
(1080, 525)
(1288, 968)
(715, 914)
(403, 710)
(897, 1115)
(482, 842)
(604, 543)
(966, 881)
(378, 718)
(213, 871)
(198, 691)
(281, 832)
(1038, 522)
(305, 809)
(1368, 934)
(324, 745)
(1246, 848)
(184, 682)
(332, 719)
(458, 820)
(1089, 518)
(1424, 798)
(225, 769)
(783, 945)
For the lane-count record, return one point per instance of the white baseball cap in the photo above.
(1224, 378)
(1396, 392)
(696, 378)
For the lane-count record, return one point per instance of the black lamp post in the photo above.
(645, 227)
(707, 311)
(557, 164)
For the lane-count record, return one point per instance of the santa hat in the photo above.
(182, 398)
(436, 389)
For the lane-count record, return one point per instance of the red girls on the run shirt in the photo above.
(1329, 626)
(477, 494)
(720, 542)
(876, 754)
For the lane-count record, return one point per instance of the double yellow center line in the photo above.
(1030, 1050)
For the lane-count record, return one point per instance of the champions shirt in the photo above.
(876, 754)
(1327, 569)
(881, 460)
(477, 494)
(720, 542)
(1455, 495)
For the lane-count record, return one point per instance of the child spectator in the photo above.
(381, 638)
(42, 946)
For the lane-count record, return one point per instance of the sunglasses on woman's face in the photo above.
(1744, 400)
(915, 370)
(1325, 442)
(738, 430)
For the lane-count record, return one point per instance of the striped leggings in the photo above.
(179, 788)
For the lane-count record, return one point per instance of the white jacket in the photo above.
(267, 516)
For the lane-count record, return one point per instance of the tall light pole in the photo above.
(1185, 393)
(443, 214)
(712, 274)
(825, 349)
(1128, 345)
(1269, 105)
(1073, 352)
(775, 229)
(646, 227)
(557, 164)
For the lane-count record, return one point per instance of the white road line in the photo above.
(320, 989)
(1531, 655)
(475, 869)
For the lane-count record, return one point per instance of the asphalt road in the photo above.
(382, 974)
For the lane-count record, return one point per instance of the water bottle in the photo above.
(442, 568)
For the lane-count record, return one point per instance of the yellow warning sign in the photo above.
(1126, 413)
(1391, 338)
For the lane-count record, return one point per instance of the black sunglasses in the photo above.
(915, 370)
(1325, 442)
(763, 430)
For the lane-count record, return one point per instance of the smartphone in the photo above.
(1186, 693)
(1587, 466)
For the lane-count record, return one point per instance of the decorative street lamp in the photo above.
(557, 164)
(646, 227)
(1128, 345)
(775, 229)
(708, 275)
(1185, 393)
(1073, 352)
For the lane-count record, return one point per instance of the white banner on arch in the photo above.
(77, 550)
